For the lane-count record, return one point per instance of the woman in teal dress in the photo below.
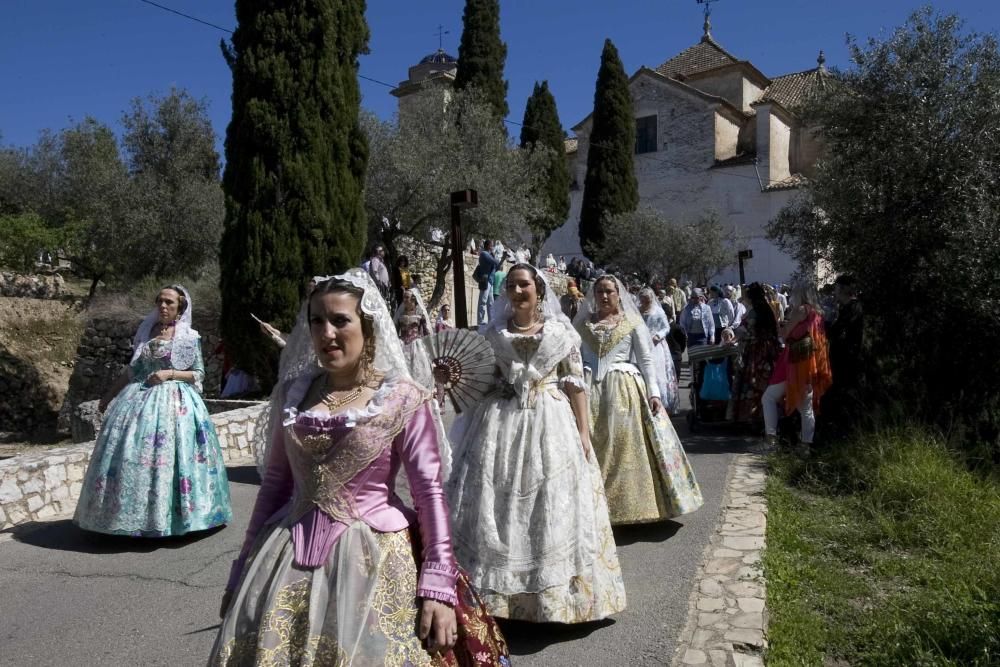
(157, 469)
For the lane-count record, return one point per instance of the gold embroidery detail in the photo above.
(602, 339)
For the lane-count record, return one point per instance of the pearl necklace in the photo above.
(517, 326)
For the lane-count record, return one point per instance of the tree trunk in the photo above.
(440, 276)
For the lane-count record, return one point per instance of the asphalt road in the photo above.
(67, 598)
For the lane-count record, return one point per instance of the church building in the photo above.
(713, 134)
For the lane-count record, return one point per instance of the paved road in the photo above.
(68, 599)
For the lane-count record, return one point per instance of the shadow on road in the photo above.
(660, 531)
(64, 536)
(525, 638)
(243, 475)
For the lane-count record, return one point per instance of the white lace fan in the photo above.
(469, 360)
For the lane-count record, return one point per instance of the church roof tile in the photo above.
(791, 90)
(703, 56)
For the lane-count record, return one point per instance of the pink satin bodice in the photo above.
(286, 484)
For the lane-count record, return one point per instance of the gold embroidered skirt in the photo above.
(360, 608)
(647, 476)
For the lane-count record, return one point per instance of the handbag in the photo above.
(801, 349)
(715, 382)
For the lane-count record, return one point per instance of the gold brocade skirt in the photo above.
(647, 476)
(360, 608)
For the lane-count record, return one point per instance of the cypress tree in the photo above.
(610, 186)
(541, 127)
(295, 163)
(481, 53)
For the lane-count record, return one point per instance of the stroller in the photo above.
(712, 369)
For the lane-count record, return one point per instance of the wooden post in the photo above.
(459, 200)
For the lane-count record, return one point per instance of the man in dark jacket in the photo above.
(483, 275)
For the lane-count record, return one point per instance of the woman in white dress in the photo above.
(647, 476)
(530, 516)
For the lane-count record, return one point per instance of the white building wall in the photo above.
(679, 181)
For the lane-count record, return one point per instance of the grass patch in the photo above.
(882, 551)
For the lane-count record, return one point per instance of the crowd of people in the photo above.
(512, 508)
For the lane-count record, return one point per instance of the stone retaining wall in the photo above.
(32, 286)
(34, 487)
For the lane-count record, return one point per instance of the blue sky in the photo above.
(65, 59)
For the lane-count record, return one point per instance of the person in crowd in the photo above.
(550, 262)
(646, 473)
(562, 264)
(739, 310)
(379, 272)
(688, 289)
(761, 347)
(659, 328)
(677, 296)
(530, 514)
(157, 468)
(781, 294)
(696, 320)
(667, 304)
(771, 295)
(483, 275)
(802, 372)
(401, 279)
(722, 310)
(499, 251)
(443, 322)
(570, 301)
(335, 569)
(846, 346)
(413, 323)
(499, 276)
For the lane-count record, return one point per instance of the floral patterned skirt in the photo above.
(360, 608)
(157, 469)
(647, 476)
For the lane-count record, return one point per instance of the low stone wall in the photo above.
(105, 350)
(32, 286)
(34, 487)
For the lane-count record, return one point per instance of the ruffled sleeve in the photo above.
(418, 448)
(570, 370)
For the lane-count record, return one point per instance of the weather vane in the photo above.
(441, 32)
(708, 15)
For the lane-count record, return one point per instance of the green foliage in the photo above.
(906, 199)
(882, 552)
(22, 236)
(644, 241)
(481, 54)
(610, 186)
(295, 161)
(541, 130)
(426, 154)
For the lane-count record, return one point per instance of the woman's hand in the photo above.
(159, 377)
(438, 626)
(227, 599)
(442, 375)
(655, 405)
(587, 447)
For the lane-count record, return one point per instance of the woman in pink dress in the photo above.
(335, 569)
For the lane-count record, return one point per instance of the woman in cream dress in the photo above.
(647, 476)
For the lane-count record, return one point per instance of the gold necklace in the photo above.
(333, 403)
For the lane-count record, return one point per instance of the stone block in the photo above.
(751, 621)
(702, 638)
(237, 428)
(9, 491)
(46, 512)
(707, 620)
(693, 656)
(710, 587)
(75, 489)
(719, 658)
(745, 660)
(35, 503)
(60, 493)
(34, 484)
(754, 638)
(722, 566)
(751, 604)
(711, 604)
(746, 589)
(16, 515)
(55, 476)
(75, 473)
(727, 553)
(744, 543)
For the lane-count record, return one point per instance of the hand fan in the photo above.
(468, 358)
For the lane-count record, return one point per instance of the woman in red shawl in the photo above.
(802, 373)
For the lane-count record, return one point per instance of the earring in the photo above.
(539, 311)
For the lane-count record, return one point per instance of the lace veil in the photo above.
(626, 304)
(502, 310)
(298, 357)
(182, 355)
(420, 309)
